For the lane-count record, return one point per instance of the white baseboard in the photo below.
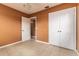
(20, 42)
(42, 42)
(11, 44)
(77, 52)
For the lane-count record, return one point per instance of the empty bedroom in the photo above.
(39, 29)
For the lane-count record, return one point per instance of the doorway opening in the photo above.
(33, 27)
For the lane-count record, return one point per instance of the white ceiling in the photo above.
(30, 8)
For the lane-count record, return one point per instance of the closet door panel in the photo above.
(62, 28)
(54, 29)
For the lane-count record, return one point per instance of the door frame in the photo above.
(35, 26)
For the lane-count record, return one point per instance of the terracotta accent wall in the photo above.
(42, 20)
(10, 25)
(42, 27)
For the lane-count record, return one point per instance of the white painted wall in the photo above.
(26, 29)
(62, 28)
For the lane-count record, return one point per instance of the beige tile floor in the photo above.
(33, 48)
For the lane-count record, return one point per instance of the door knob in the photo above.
(22, 30)
(59, 31)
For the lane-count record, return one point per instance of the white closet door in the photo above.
(53, 29)
(62, 28)
(26, 29)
